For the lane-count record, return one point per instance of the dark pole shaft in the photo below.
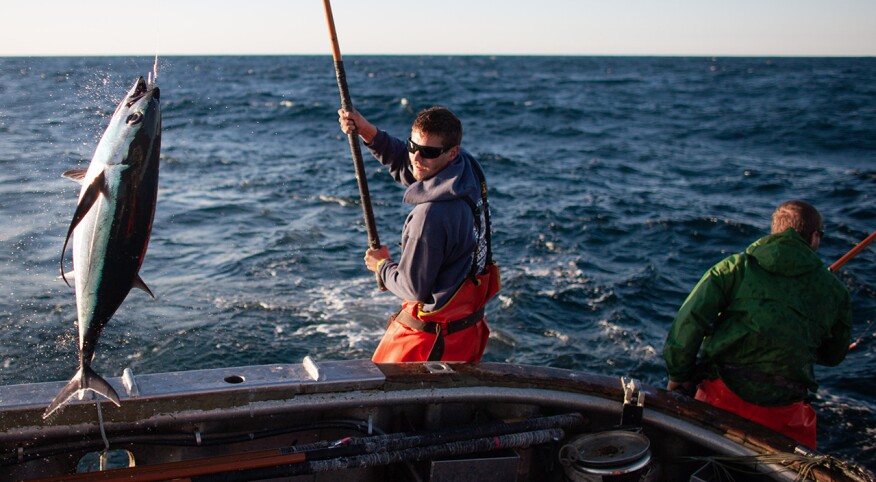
(353, 137)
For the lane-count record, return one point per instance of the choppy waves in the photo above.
(615, 183)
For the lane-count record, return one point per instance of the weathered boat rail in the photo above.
(197, 407)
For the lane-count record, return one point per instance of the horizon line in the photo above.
(266, 54)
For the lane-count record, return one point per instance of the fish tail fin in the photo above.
(85, 379)
(97, 384)
(70, 389)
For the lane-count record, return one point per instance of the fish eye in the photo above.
(134, 118)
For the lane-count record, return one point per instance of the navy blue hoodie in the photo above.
(439, 235)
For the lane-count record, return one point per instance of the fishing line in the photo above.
(153, 76)
(100, 423)
(104, 454)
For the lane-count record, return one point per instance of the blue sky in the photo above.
(562, 27)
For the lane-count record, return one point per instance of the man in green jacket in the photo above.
(760, 320)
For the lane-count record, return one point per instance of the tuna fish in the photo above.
(111, 227)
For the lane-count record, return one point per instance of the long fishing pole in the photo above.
(845, 259)
(353, 137)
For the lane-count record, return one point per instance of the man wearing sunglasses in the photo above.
(763, 318)
(445, 274)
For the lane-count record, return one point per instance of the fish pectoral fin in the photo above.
(140, 284)
(68, 274)
(77, 175)
(89, 197)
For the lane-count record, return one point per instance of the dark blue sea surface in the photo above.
(615, 184)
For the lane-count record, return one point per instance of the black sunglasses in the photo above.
(428, 152)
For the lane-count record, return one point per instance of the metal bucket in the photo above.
(613, 456)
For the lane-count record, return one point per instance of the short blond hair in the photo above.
(800, 215)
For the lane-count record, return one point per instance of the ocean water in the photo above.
(614, 182)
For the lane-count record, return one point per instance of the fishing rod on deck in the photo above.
(353, 137)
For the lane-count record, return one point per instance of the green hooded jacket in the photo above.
(763, 318)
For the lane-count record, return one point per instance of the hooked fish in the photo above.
(111, 227)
